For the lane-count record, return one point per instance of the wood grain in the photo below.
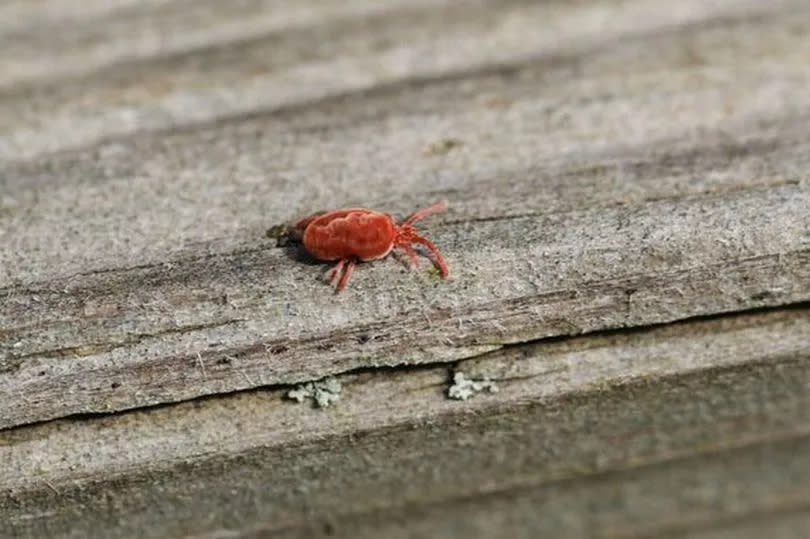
(722, 402)
(629, 226)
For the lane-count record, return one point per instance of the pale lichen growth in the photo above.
(463, 388)
(324, 392)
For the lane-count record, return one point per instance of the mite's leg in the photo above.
(411, 254)
(436, 254)
(335, 272)
(344, 281)
(430, 210)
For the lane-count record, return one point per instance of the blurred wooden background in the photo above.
(628, 232)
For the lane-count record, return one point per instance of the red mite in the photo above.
(358, 234)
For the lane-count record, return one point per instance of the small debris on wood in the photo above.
(497, 103)
(443, 147)
(463, 388)
(283, 234)
(323, 392)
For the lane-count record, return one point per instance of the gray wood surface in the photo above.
(628, 236)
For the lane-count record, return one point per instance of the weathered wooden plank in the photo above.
(712, 490)
(51, 39)
(114, 340)
(705, 495)
(119, 69)
(610, 166)
(135, 273)
(666, 419)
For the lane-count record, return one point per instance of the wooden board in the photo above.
(629, 225)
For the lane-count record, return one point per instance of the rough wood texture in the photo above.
(615, 170)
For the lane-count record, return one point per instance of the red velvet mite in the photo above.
(358, 234)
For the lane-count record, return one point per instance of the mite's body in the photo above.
(358, 234)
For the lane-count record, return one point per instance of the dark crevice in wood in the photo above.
(736, 319)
